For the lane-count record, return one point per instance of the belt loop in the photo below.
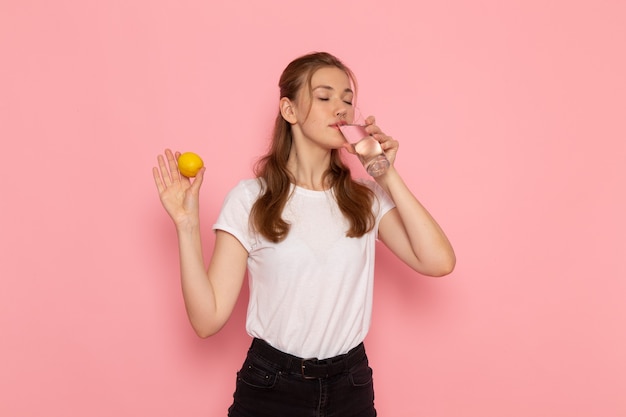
(288, 364)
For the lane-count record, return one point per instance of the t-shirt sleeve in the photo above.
(382, 203)
(235, 213)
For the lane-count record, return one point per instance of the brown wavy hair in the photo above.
(353, 198)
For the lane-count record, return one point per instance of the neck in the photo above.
(308, 167)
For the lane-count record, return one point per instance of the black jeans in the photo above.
(275, 384)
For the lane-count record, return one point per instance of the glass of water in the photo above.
(367, 148)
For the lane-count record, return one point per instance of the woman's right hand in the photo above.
(179, 196)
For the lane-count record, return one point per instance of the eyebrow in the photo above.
(328, 87)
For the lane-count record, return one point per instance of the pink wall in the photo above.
(511, 122)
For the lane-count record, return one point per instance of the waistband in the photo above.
(309, 368)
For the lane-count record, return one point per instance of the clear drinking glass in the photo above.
(367, 148)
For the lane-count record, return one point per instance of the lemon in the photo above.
(189, 164)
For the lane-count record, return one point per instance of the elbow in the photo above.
(205, 333)
(441, 268)
(206, 330)
(446, 266)
(205, 323)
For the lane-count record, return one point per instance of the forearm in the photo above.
(197, 289)
(431, 248)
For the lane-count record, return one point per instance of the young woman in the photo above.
(305, 232)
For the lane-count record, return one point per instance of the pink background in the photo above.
(511, 118)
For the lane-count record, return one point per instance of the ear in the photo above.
(287, 110)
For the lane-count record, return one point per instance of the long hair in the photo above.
(353, 198)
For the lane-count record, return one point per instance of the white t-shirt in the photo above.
(310, 294)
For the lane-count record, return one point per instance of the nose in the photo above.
(342, 113)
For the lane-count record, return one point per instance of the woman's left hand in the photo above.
(389, 144)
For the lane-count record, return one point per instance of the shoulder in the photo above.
(247, 187)
(372, 185)
(243, 194)
(382, 201)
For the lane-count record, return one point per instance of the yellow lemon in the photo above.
(189, 164)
